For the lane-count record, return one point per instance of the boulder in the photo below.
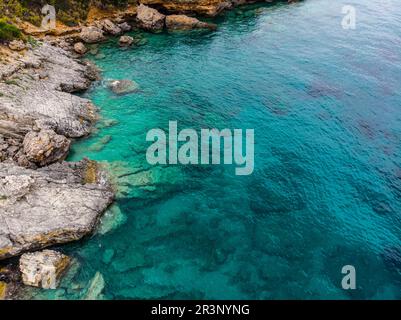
(96, 287)
(43, 269)
(17, 45)
(125, 27)
(150, 19)
(48, 206)
(183, 22)
(109, 27)
(92, 35)
(126, 41)
(123, 86)
(80, 48)
(45, 147)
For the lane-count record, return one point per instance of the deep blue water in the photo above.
(325, 104)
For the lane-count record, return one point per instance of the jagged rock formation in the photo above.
(52, 205)
(43, 269)
(150, 19)
(109, 27)
(183, 22)
(35, 95)
(45, 147)
(125, 27)
(38, 117)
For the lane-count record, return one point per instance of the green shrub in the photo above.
(32, 41)
(8, 31)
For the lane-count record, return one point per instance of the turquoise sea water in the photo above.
(325, 104)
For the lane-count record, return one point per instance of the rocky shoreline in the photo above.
(45, 201)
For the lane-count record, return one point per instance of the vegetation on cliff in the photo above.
(70, 12)
(8, 31)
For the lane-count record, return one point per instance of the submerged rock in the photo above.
(96, 287)
(150, 19)
(43, 269)
(100, 56)
(45, 147)
(80, 48)
(52, 205)
(126, 41)
(94, 49)
(183, 22)
(112, 220)
(99, 145)
(123, 86)
(108, 256)
(92, 35)
(107, 123)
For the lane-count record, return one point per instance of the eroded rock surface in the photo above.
(92, 35)
(150, 19)
(17, 45)
(125, 27)
(109, 27)
(80, 48)
(52, 205)
(43, 269)
(45, 147)
(183, 22)
(36, 95)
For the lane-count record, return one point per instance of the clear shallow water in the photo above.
(325, 104)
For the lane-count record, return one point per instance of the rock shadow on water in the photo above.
(320, 88)
(276, 107)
